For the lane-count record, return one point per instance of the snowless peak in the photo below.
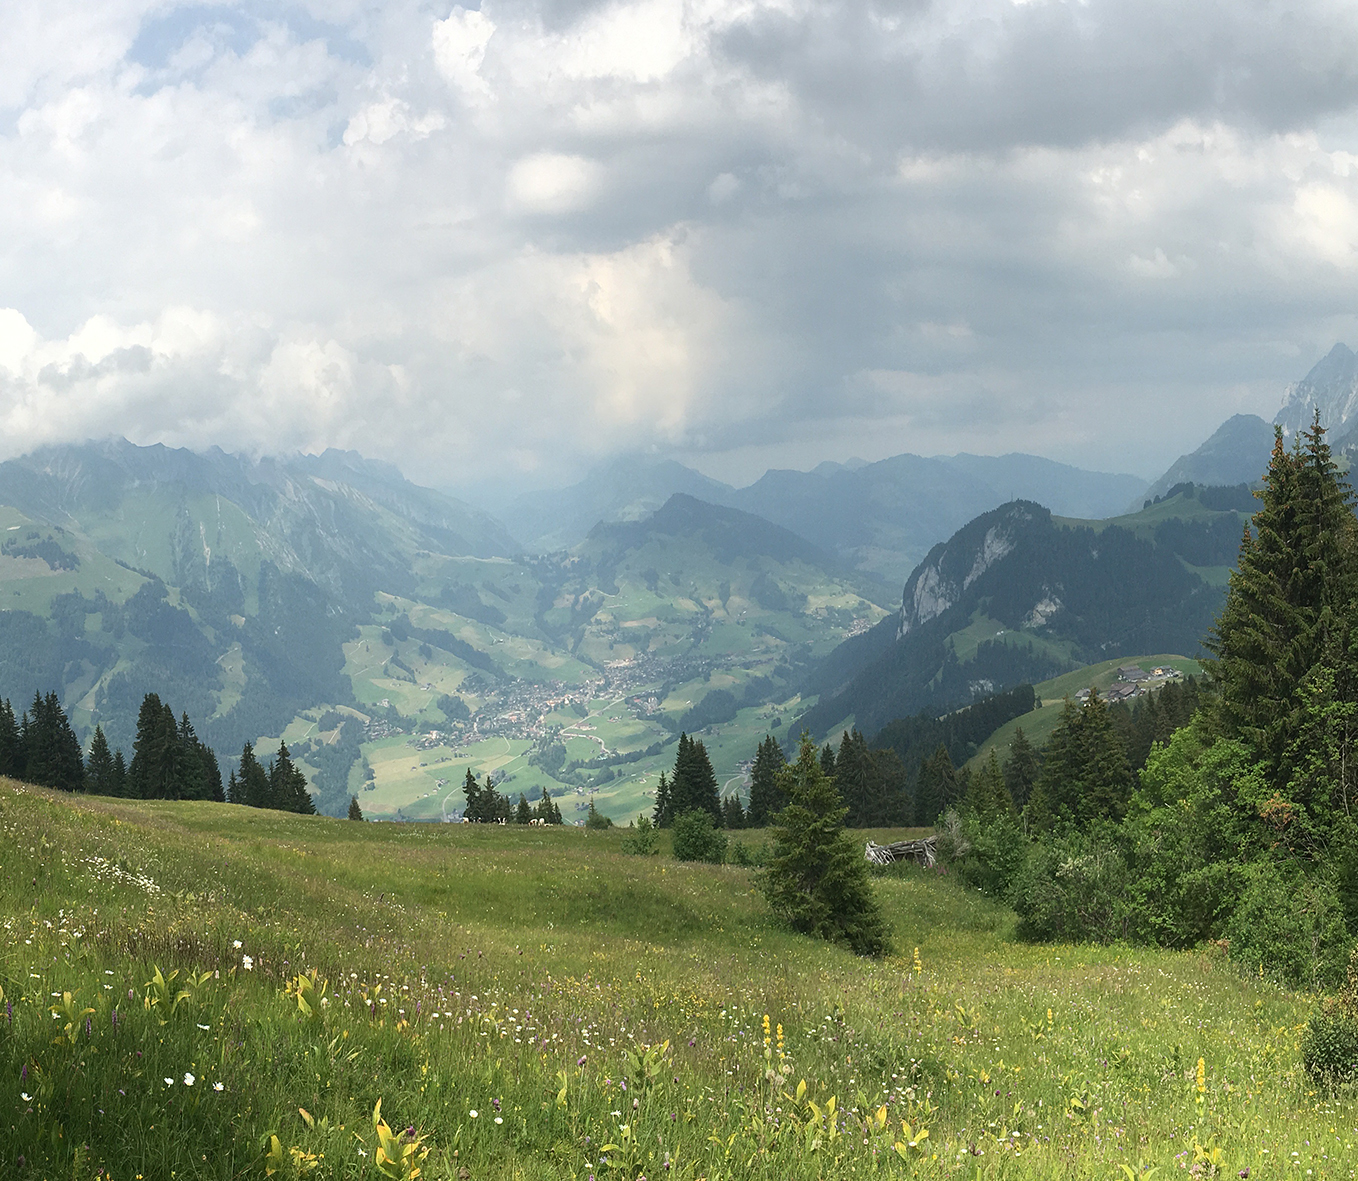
(1332, 385)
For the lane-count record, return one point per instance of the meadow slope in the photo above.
(534, 1003)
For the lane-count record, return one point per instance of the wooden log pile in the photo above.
(922, 852)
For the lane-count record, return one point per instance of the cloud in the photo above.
(493, 244)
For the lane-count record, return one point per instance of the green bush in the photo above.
(643, 840)
(1329, 1047)
(997, 850)
(696, 838)
(1071, 888)
(1290, 925)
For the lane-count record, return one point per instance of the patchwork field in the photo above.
(202, 991)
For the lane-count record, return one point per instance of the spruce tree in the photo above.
(1293, 585)
(288, 785)
(1021, 769)
(99, 766)
(827, 760)
(937, 788)
(693, 783)
(765, 797)
(355, 812)
(732, 814)
(662, 815)
(817, 879)
(523, 814)
(11, 746)
(252, 781)
(119, 774)
(471, 791)
(1085, 773)
(546, 809)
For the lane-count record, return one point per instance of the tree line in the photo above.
(169, 760)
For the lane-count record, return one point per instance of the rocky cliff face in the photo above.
(1331, 386)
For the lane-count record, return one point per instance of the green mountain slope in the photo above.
(1019, 595)
(388, 632)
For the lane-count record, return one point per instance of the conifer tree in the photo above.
(471, 791)
(765, 797)
(288, 785)
(99, 773)
(1085, 774)
(355, 812)
(1293, 585)
(817, 879)
(1021, 769)
(987, 795)
(937, 788)
(693, 783)
(732, 814)
(252, 780)
(51, 752)
(827, 760)
(11, 747)
(119, 774)
(234, 795)
(523, 814)
(546, 809)
(662, 815)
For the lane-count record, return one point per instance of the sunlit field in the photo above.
(196, 990)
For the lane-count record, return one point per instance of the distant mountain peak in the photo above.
(1331, 386)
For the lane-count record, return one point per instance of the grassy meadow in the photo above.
(201, 991)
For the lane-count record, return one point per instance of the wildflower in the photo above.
(1202, 1076)
(474, 1113)
(247, 963)
(581, 1061)
(25, 1096)
(189, 1080)
(237, 945)
(216, 1086)
(169, 1082)
(499, 1119)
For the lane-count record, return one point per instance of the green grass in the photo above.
(509, 972)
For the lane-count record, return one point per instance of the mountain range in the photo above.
(880, 518)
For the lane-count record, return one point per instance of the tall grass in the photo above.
(534, 1003)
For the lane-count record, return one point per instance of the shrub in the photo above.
(996, 850)
(1289, 925)
(1071, 888)
(643, 840)
(1329, 1047)
(696, 838)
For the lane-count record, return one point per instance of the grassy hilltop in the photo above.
(522, 999)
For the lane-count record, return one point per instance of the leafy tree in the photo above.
(765, 797)
(643, 840)
(355, 812)
(817, 879)
(696, 838)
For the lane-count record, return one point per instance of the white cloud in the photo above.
(535, 231)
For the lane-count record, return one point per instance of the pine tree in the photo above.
(1021, 769)
(693, 783)
(288, 785)
(1085, 774)
(99, 766)
(355, 812)
(1293, 585)
(471, 791)
(765, 797)
(817, 879)
(732, 814)
(11, 746)
(662, 815)
(523, 814)
(252, 781)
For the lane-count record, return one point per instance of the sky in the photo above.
(498, 246)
